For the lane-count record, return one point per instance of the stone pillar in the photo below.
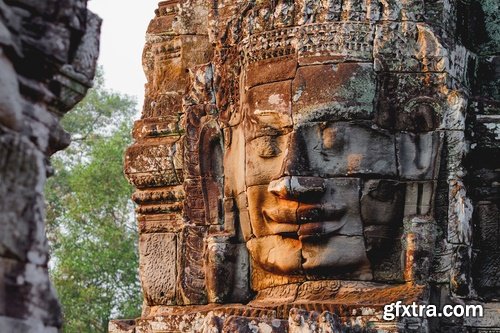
(165, 157)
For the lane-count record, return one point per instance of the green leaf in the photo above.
(90, 224)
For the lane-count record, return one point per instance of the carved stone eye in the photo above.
(333, 139)
(329, 136)
(267, 147)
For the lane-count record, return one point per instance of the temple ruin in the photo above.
(301, 164)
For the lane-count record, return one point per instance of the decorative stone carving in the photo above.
(324, 155)
(157, 266)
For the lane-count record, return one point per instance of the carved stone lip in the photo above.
(308, 213)
(310, 231)
(280, 222)
(309, 221)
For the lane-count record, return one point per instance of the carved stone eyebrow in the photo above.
(268, 131)
(261, 113)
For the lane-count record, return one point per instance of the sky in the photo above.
(122, 40)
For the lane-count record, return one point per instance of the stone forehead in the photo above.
(278, 97)
(315, 93)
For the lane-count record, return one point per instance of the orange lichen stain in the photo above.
(353, 162)
(428, 79)
(329, 136)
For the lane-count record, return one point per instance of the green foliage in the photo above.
(90, 223)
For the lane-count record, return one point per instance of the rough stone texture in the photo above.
(48, 54)
(324, 158)
(157, 266)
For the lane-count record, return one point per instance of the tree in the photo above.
(90, 223)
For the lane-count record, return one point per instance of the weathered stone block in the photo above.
(19, 325)
(22, 170)
(191, 18)
(241, 292)
(336, 42)
(163, 105)
(219, 261)
(270, 70)
(419, 155)
(342, 149)
(10, 100)
(269, 104)
(162, 223)
(235, 153)
(346, 253)
(236, 324)
(419, 240)
(277, 253)
(121, 326)
(269, 151)
(387, 261)
(152, 165)
(486, 269)
(412, 102)
(489, 320)
(200, 90)
(459, 214)
(408, 47)
(261, 203)
(382, 203)
(460, 274)
(192, 274)
(333, 92)
(29, 293)
(244, 216)
(158, 267)
(419, 199)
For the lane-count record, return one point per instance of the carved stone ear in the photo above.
(226, 269)
(219, 262)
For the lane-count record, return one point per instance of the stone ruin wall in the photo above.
(48, 54)
(202, 56)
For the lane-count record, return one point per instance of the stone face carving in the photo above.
(48, 54)
(311, 157)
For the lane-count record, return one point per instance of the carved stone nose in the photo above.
(295, 187)
(296, 161)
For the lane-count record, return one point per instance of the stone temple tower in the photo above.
(302, 164)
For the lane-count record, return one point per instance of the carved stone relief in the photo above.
(319, 151)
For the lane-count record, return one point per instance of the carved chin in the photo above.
(277, 254)
(339, 256)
